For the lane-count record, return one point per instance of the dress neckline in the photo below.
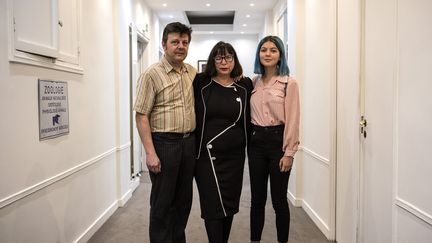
(226, 86)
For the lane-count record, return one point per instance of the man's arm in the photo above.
(152, 160)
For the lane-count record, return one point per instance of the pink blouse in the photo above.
(277, 103)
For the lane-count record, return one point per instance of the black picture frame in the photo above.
(201, 65)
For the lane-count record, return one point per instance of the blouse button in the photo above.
(213, 158)
(238, 99)
(210, 146)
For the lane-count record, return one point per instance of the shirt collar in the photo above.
(168, 67)
(281, 79)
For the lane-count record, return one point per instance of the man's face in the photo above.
(176, 47)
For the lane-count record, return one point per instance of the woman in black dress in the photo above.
(223, 118)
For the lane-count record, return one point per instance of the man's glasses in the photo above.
(228, 58)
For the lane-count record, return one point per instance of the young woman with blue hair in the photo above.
(275, 116)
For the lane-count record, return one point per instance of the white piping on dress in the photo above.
(244, 108)
(203, 122)
(210, 155)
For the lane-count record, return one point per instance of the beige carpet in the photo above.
(130, 223)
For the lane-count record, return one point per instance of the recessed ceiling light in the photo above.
(252, 4)
(208, 4)
(242, 32)
(244, 25)
(171, 17)
(164, 4)
(247, 15)
(211, 32)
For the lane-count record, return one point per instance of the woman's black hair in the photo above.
(222, 49)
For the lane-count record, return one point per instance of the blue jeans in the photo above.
(264, 153)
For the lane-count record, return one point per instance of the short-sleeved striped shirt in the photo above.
(166, 97)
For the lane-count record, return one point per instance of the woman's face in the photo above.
(224, 63)
(269, 54)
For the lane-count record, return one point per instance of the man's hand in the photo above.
(286, 163)
(153, 163)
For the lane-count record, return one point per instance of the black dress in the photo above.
(222, 132)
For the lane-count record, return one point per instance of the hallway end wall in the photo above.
(245, 46)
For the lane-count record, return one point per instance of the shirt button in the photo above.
(238, 99)
(210, 146)
(213, 158)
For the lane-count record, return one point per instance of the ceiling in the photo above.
(247, 19)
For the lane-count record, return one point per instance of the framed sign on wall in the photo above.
(53, 109)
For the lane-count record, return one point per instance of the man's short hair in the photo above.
(176, 27)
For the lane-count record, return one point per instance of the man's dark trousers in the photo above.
(171, 193)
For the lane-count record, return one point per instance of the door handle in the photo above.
(363, 125)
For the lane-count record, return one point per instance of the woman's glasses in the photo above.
(228, 58)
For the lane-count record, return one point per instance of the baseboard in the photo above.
(296, 202)
(89, 232)
(316, 219)
(134, 183)
(125, 198)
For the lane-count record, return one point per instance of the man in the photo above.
(165, 118)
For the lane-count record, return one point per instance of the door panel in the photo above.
(376, 168)
(395, 201)
(413, 116)
(137, 46)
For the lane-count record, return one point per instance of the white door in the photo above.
(138, 45)
(348, 113)
(395, 169)
(377, 92)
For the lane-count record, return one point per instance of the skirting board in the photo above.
(132, 186)
(297, 202)
(89, 232)
(108, 212)
(316, 219)
(294, 201)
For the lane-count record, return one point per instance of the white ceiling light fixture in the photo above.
(252, 4)
(214, 22)
(208, 4)
(164, 4)
(247, 15)
(244, 25)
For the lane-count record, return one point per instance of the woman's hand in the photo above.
(286, 163)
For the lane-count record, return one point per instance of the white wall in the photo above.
(63, 189)
(127, 12)
(312, 59)
(245, 46)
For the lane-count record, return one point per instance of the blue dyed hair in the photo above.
(282, 64)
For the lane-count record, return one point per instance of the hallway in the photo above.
(70, 150)
(130, 223)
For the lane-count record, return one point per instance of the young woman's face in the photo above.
(269, 54)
